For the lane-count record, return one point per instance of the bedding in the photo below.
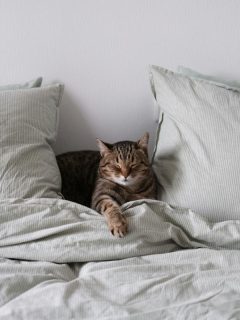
(28, 129)
(215, 80)
(58, 261)
(27, 85)
(196, 158)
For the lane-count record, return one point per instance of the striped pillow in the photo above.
(197, 153)
(28, 128)
(27, 85)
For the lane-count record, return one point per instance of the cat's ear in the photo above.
(103, 147)
(143, 142)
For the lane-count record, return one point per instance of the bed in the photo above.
(180, 258)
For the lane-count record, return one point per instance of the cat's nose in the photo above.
(125, 172)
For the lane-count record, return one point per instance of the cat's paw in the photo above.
(118, 228)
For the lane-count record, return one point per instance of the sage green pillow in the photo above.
(215, 80)
(196, 158)
(27, 85)
(28, 129)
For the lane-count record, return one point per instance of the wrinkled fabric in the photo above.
(196, 156)
(59, 261)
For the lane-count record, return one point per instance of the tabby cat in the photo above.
(78, 171)
(105, 180)
(124, 175)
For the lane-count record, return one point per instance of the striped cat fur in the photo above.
(124, 174)
(105, 180)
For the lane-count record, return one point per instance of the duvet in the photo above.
(59, 261)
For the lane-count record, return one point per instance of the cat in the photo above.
(88, 178)
(124, 174)
(78, 172)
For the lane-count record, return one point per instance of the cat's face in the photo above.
(126, 162)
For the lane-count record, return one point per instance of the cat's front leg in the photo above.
(117, 223)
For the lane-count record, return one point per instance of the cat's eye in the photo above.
(135, 165)
(105, 164)
(114, 165)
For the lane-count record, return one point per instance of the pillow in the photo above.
(215, 80)
(196, 158)
(218, 81)
(27, 85)
(28, 128)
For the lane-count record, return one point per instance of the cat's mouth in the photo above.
(124, 181)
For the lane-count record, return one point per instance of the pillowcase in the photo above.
(196, 158)
(228, 84)
(27, 85)
(28, 128)
(218, 81)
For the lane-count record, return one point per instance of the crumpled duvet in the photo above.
(59, 261)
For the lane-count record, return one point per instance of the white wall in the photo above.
(101, 50)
